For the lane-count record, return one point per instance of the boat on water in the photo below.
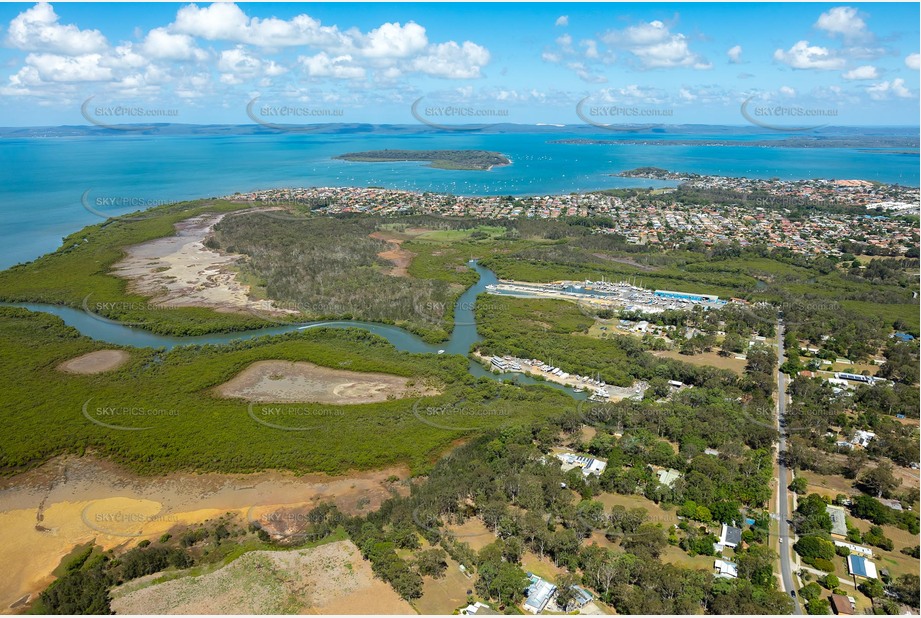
(441, 351)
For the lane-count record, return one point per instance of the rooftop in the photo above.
(861, 567)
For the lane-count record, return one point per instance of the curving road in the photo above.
(786, 537)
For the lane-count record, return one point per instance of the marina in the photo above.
(597, 388)
(621, 295)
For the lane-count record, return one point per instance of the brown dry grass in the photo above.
(329, 579)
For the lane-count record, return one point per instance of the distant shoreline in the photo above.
(466, 160)
(786, 142)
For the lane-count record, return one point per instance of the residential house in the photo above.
(862, 438)
(668, 477)
(730, 536)
(726, 569)
(539, 593)
(840, 604)
(859, 566)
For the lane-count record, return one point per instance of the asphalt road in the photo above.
(786, 537)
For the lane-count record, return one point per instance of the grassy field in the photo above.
(897, 562)
(827, 485)
(473, 532)
(541, 567)
(444, 595)
(656, 514)
(490, 231)
(679, 557)
(711, 359)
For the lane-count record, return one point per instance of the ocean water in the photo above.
(44, 182)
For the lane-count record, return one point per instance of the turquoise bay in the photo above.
(43, 179)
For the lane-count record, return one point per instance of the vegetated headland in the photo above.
(483, 160)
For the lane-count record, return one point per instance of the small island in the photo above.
(481, 160)
(655, 173)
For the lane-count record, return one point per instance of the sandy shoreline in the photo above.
(68, 501)
(179, 271)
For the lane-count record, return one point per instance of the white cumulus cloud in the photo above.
(655, 46)
(450, 60)
(735, 54)
(844, 21)
(395, 41)
(885, 90)
(864, 72)
(805, 56)
(164, 45)
(37, 29)
(322, 65)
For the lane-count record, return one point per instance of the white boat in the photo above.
(441, 351)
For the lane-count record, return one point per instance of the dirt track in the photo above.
(398, 256)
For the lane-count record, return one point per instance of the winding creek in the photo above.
(462, 337)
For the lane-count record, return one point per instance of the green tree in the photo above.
(818, 607)
(432, 562)
(565, 593)
(810, 591)
(831, 581)
(799, 485)
(756, 564)
(873, 588)
(880, 481)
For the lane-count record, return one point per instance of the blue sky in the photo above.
(856, 64)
